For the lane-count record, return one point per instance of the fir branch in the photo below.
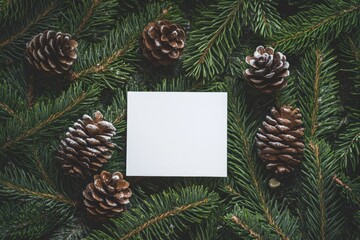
(9, 186)
(251, 232)
(161, 217)
(41, 169)
(265, 19)
(348, 146)
(16, 132)
(317, 93)
(17, 184)
(90, 20)
(152, 220)
(215, 35)
(71, 229)
(240, 153)
(322, 22)
(27, 221)
(12, 41)
(116, 63)
(15, 36)
(10, 102)
(322, 215)
(348, 143)
(350, 188)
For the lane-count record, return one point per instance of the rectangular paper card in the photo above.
(177, 134)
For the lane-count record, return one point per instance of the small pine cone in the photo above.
(280, 140)
(51, 52)
(87, 146)
(107, 195)
(267, 72)
(163, 42)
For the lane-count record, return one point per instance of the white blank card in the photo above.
(176, 134)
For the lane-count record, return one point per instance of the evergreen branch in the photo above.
(266, 18)
(240, 154)
(7, 109)
(11, 102)
(251, 232)
(90, 11)
(320, 23)
(22, 190)
(117, 63)
(215, 35)
(71, 229)
(153, 219)
(38, 16)
(40, 168)
(351, 189)
(348, 143)
(314, 113)
(162, 217)
(322, 215)
(27, 221)
(46, 122)
(17, 184)
(317, 92)
(12, 38)
(101, 66)
(16, 132)
(86, 19)
(219, 31)
(341, 183)
(348, 151)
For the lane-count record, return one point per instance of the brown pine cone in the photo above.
(107, 195)
(87, 146)
(51, 52)
(280, 140)
(267, 72)
(163, 42)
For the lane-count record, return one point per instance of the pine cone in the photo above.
(280, 141)
(87, 146)
(267, 72)
(107, 195)
(163, 42)
(51, 53)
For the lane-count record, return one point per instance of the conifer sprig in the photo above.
(244, 169)
(44, 119)
(321, 22)
(166, 212)
(13, 39)
(317, 92)
(210, 44)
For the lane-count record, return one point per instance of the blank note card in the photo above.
(177, 134)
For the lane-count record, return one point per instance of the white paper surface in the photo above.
(176, 134)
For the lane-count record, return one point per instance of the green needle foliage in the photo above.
(37, 17)
(320, 199)
(318, 24)
(322, 215)
(86, 19)
(45, 119)
(211, 41)
(317, 92)
(162, 215)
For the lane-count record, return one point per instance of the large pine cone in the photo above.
(163, 42)
(280, 140)
(87, 146)
(107, 195)
(267, 72)
(51, 52)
